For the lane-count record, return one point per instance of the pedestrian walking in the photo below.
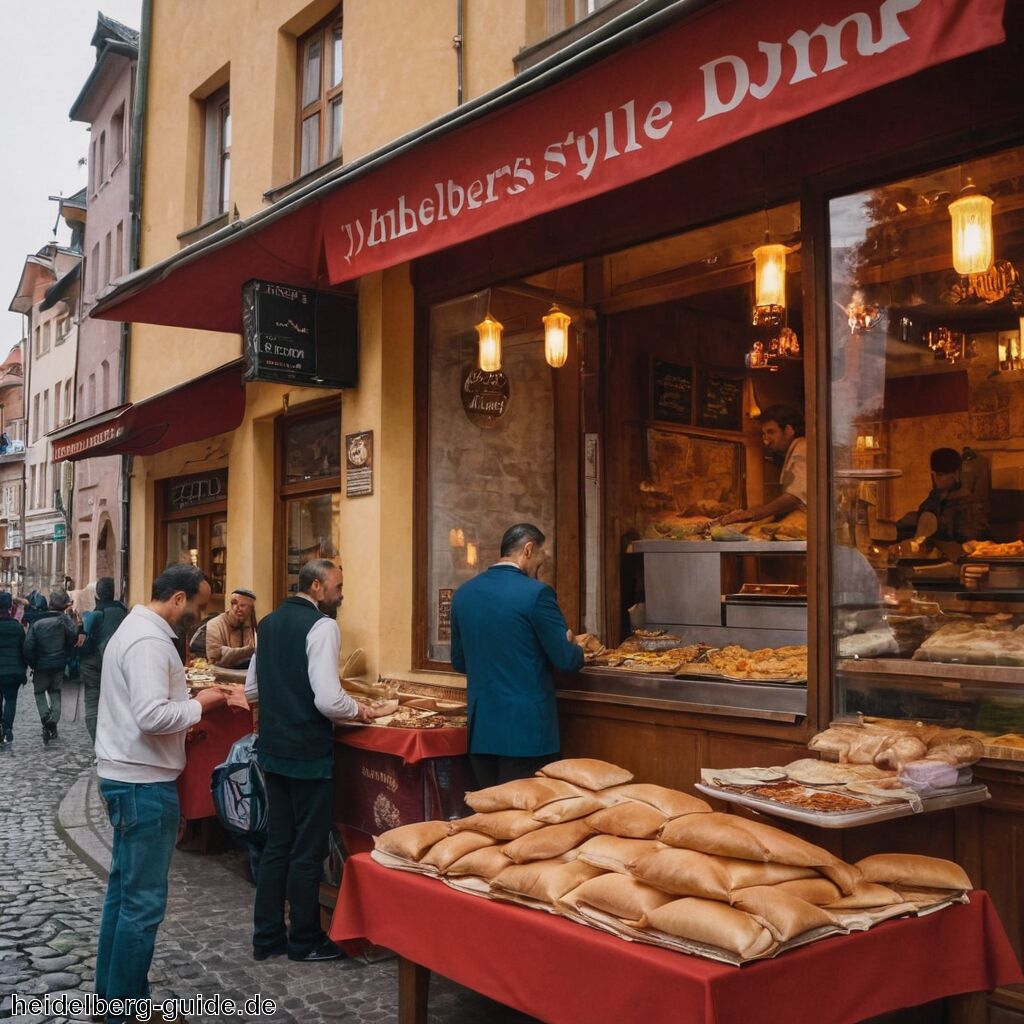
(144, 712)
(99, 625)
(507, 634)
(12, 667)
(50, 642)
(294, 676)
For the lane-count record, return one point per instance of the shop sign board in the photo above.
(726, 73)
(185, 492)
(485, 396)
(299, 336)
(59, 531)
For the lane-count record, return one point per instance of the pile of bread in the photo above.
(894, 744)
(655, 865)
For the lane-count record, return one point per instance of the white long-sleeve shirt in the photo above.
(323, 645)
(145, 709)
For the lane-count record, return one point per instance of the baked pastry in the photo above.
(587, 772)
(547, 843)
(446, 852)
(504, 825)
(629, 819)
(487, 862)
(865, 896)
(613, 853)
(568, 809)
(670, 802)
(544, 880)
(819, 891)
(914, 870)
(623, 897)
(520, 795)
(683, 873)
(411, 842)
(899, 750)
(958, 750)
(787, 916)
(713, 924)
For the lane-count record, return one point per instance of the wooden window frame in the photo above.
(302, 489)
(326, 95)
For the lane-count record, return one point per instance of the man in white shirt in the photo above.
(782, 431)
(294, 676)
(144, 713)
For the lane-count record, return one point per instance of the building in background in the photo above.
(12, 466)
(105, 105)
(47, 296)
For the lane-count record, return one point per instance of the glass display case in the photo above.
(927, 449)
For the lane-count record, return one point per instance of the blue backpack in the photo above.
(240, 791)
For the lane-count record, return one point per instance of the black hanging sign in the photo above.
(299, 336)
(721, 401)
(671, 392)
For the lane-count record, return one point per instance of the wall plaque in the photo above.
(444, 615)
(485, 396)
(359, 464)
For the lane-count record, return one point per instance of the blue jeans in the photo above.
(145, 821)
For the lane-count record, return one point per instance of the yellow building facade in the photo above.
(400, 69)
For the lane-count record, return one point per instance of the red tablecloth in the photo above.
(565, 973)
(411, 745)
(207, 746)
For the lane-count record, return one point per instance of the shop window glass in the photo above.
(927, 453)
(485, 471)
(183, 542)
(310, 493)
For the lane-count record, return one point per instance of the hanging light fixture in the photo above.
(973, 247)
(769, 283)
(556, 336)
(489, 333)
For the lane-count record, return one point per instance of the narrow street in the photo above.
(50, 903)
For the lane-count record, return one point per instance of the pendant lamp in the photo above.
(556, 337)
(489, 333)
(973, 247)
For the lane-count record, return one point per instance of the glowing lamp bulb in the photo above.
(556, 337)
(770, 275)
(973, 247)
(489, 332)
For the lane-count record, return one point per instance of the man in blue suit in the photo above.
(507, 634)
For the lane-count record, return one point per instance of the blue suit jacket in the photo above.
(507, 633)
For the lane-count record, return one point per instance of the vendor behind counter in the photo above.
(961, 509)
(782, 431)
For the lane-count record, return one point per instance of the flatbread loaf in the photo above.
(568, 809)
(914, 870)
(486, 863)
(671, 802)
(520, 795)
(446, 852)
(411, 842)
(786, 915)
(728, 835)
(865, 896)
(504, 825)
(587, 772)
(619, 895)
(544, 880)
(549, 842)
(922, 896)
(613, 853)
(819, 891)
(683, 873)
(962, 750)
(742, 874)
(629, 819)
(713, 924)
(811, 772)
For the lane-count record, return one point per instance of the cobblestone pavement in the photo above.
(50, 905)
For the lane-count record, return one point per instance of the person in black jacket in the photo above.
(50, 642)
(100, 625)
(12, 667)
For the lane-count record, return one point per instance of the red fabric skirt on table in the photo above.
(206, 746)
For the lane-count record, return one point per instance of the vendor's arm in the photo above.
(776, 508)
(554, 634)
(323, 645)
(218, 645)
(231, 657)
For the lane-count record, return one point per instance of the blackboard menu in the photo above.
(671, 392)
(721, 401)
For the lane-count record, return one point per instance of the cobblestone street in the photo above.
(50, 903)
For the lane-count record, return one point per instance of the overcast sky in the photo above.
(45, 58)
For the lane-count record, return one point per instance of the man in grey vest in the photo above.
(294, 676)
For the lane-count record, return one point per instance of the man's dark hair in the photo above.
(516, 536)
(785, 416)
(59, 600)
(945, 460)
(178, 576)
(315, 569)
(105, 588)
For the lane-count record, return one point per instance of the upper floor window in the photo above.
(217, 155)
(101, 166)
(320, 104)
(117, 136)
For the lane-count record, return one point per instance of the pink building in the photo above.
(105, 104)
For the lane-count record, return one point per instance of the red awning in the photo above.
(208, 405)
(726, 72)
